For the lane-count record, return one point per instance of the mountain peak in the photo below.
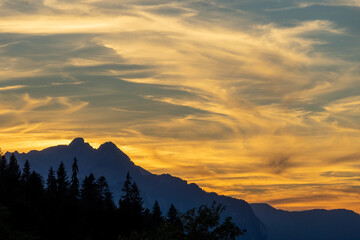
(108, 146)
(77, 141)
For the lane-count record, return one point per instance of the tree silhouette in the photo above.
(26, 172)
(126, 198)
(136, 200)
(51, 182)
(62, 179)
(12, 180)
(74, 183)
(35, 183)
(89, 194)
(174, 228)
(13, 170)
(104, 193)
(131, 208)
(131, 201)
(3, 167)
(157, 214)
(173, 215)
(3, 172)
(28, 211)
(204, 223)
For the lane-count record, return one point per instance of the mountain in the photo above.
(315, 224)
(109, 161)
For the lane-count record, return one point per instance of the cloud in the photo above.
(312, 198)
(6, 88)
(21, 6)
(348, 106)
(341, 174)
(354, 157)
(279, 164)
(225, 93)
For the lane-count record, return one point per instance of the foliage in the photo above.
(204, 223)
(66, 209)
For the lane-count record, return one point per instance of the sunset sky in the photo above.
(255, 99)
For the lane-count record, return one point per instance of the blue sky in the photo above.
(245, 98)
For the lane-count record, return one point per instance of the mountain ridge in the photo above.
(314, 224)
(109, 161)
(308, 210)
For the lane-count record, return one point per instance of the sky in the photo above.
(255, 99)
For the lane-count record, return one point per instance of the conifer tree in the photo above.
(173, 229)
(104, 193)
(3, 167)
(108, 201)
(35, 184)
(136, 199)
(13, 170)
(125, 199)
(74, 183)
(89, 194)
(102, 187)
(51, 184)
(131, 200)
(173, 216)
(157, 214)
(26, 172)
(131, 208)
(62, 179)
(3, 171)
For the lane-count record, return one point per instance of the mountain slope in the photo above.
(112, 163)
(315, 224)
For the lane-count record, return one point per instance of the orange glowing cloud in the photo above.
(235, 99)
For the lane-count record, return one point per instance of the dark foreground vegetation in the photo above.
(63, 208)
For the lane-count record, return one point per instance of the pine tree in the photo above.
(74, 183)
(173, 216)
(131, 201)
(108, 201)
(3, 172)
(89, 194)
(3, 167)
(35, 184)
(51, 183)
(104, 193)
(125, 199)
(157, 214)
(136, 199)
(26, 172)
(131, 208)
(62, 179)
(102, 187)
(13, 170)
(12, 178)
(174, 228)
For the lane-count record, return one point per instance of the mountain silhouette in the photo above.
(109, 161)
(317, 224)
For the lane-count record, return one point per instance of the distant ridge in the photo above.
(109, 161)
(317, 224)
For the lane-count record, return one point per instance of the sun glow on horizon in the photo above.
(243, 99)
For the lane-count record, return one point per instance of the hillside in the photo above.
(317, 224)
(108, 160)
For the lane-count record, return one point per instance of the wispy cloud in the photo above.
(6, 88)
(228, 94)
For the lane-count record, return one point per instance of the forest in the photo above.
(62, 207)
